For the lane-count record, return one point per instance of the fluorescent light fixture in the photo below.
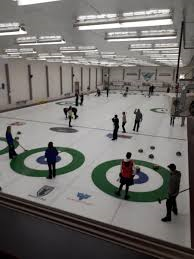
(153, 49)
(20, 51)
(78, 51)
(156, 51)
(157, 46)
(166, 45)
(142, 39)
(51, 56)
(140, 46)
(11, 29)
(10, 56)
(31, 2)
(141, 36)
(42, 40)
(43, 43)
(68, 48)
(107, 53)
(128, 65)
(125, 20)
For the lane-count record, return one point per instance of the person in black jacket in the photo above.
(65, 111)
(74, 110)
(138, 119)
(76, 99)
(173, 191)
(51, 154)
(10, 143)
(81, 98)
(107, 91)
(115, 121)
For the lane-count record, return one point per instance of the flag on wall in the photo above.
(147, 75)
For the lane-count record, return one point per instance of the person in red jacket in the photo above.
(126, 175)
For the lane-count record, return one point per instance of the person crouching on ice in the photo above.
(65, 111)
(126, 175)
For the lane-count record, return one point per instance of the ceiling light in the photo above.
(20, 51)
(142, 39)
(9, 29)
(31, 2)
(10, 56)
(153, 49)
(157, 46)
(141, 35)
(107, 53)
(42, 40)
(125, 20)
(78, 51)
(68, 48)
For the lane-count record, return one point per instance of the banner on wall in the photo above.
(165, 74)
(147, 75)
(131, 74)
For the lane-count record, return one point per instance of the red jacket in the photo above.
(127, 169)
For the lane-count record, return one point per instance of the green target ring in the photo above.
(100, 180)
(18, 165)
(6, 149)
(159, 110)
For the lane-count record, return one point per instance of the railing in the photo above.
(118, 236)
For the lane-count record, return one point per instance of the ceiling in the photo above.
(57, 18)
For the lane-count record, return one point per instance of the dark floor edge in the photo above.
(40, 103)
(125, 238)
(190, 132)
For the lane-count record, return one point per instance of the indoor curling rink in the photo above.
(88, 166)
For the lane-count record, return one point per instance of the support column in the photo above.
(47, 81)
(30, 82)
(61, 80)
(8, 83)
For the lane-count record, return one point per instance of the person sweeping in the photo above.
(10, 143)
(173, 191)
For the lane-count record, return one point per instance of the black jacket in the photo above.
(116, 122)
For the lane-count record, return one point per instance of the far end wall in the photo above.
(142, 76)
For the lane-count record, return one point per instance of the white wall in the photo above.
(54, 79)
(19, 84)
(66, 78)
(3, 92)
(93, 79)
(99, 76)
(116, 74)
(77, 75)
(19, 81)
(85, 78)
(39, 91)
(131, 74)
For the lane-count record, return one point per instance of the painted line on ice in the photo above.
(85, 127)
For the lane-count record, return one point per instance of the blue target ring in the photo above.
(142, 178)
(41, 160)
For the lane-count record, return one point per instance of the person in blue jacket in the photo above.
(51, 156)
(10, 143)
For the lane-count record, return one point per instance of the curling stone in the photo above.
(178, 153)
(151, 156)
